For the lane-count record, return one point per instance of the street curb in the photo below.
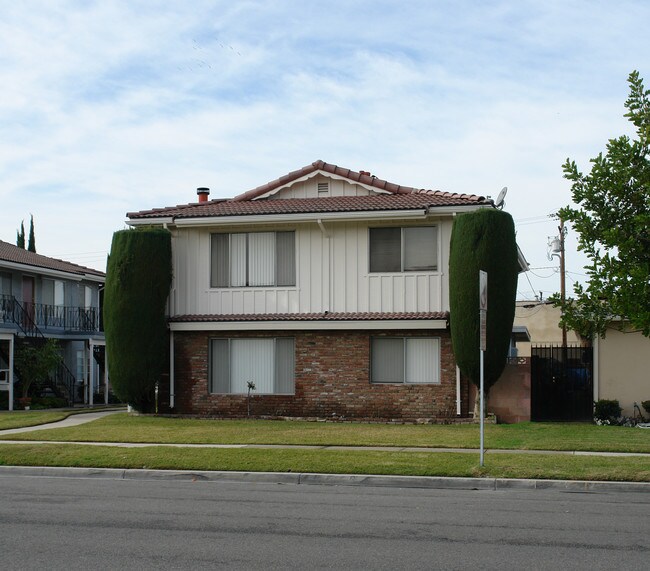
(429, 482)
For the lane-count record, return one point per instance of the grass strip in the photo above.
(330, 461)
(23, 418)
(525, 436)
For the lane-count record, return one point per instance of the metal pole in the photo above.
(562, 277)
(482, 408)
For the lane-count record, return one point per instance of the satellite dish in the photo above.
(500, 201)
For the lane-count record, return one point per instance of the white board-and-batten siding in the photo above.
(332, 274)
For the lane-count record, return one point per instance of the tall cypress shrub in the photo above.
(138, 278)
(482, 240)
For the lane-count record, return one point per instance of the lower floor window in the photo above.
(405, 360)
(268, 363)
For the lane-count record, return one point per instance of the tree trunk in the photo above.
(477, 403)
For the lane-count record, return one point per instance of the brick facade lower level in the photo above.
(332, 379)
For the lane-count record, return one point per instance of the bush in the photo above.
(49, 402)
(607, 411)
(646, 405)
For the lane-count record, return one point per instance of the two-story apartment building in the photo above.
(42, 297)
(326, 288)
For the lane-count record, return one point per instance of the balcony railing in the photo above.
(49, 317)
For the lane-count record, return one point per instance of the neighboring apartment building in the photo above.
(327, 288)
(42, 297)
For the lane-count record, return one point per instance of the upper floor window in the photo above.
(5, 283)
(410, 249)
(88, 297)
(53, 292)
(249, 259)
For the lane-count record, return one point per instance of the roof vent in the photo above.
(323, 188)
(203, 193)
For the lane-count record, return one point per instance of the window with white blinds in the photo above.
(53, 292)
(405, 360)
(411, 249)
(269, 363)
(253, 259)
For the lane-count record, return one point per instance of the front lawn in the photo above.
(525, 436)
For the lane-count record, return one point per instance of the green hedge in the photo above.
(138, 279)
(482, 240)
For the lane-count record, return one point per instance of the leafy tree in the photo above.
(31, 244)
(138, 279)
(34, 363)
(613, 223)
(20, 236)
(482, 240)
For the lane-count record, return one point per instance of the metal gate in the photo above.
(561, 383)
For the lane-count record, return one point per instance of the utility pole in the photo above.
(562, 230)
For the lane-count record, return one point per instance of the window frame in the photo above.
(437, 354)
(402, 249)
(289, 366)
(279, 264)
(57, 290)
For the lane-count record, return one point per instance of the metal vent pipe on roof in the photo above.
(203, 193)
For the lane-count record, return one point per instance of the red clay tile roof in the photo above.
(11, 253)
(306, 205)
(396, 198)
(335, 316)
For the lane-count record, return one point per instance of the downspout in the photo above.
(106, 387)
(91, 373)
(171, 370)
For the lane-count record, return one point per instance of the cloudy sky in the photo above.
(108, 107)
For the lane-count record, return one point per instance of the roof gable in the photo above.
(363, 192)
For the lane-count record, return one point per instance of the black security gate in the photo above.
(561, 383)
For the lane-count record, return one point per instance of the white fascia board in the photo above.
(301, 218)
(150, 221)
(50, 272)
(452, 210)
(412, 324)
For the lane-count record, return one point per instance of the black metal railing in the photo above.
(61, 379)
(29, 316)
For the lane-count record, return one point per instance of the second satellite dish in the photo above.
(500, 201)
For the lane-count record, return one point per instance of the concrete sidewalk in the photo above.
(72, 420)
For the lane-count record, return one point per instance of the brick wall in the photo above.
(331, 380)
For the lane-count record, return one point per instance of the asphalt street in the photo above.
(98, 523)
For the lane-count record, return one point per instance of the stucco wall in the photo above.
(623, 368)
(509, 397)
(542, 321)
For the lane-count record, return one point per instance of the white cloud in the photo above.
(121, 106)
